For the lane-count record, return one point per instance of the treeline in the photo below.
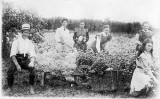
(94, 25)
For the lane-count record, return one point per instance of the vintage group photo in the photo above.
(80, 48)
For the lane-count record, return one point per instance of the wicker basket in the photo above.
(109, 81)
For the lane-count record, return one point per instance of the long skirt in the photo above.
(139, 80)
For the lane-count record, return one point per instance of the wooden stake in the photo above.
(42, 79)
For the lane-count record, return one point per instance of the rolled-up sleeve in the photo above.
(98, 44)
(32, 50)
(14, 48)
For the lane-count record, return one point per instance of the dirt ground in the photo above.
(21, 90)
(59, 88)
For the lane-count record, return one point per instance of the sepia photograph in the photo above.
(80, 48)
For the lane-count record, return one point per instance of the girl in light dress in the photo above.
(143, 76)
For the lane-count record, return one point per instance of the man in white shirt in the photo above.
(62, 35)
(23, 56)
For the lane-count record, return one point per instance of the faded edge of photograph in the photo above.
(80, 48)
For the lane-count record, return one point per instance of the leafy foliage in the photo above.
(52, 58)
(118, 52)
(12, 20)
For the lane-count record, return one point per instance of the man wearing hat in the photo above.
(80, 37)
(22, 57)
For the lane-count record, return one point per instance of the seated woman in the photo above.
(142, 76)
(101, 39)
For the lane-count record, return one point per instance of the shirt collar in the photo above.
(145, 30)
(104, 34)
(81, 28)
(20, 38)
(63, 27)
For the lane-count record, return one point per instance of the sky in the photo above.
(116, 10)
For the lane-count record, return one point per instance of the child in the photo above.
(143, 76)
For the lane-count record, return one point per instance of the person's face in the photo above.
(106, 30)
(64, 23)
(25, 34)
(148, 47)
(146, 26)
(81, 25)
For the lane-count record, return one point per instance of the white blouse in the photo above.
(62, 35)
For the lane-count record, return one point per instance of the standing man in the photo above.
(22, 57)
(62, 35)
(80, 37)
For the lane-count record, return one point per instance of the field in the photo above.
(57, 88)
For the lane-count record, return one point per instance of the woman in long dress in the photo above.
(143, 76)
(101, 39)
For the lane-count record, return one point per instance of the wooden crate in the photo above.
(109, 81)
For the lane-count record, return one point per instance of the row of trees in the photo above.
(94, 25)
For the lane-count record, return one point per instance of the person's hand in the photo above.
(18, 67)
(79, 42)
(84, 39)
(138, 43)
(31, 64)
(80, 38)
(132, 59)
